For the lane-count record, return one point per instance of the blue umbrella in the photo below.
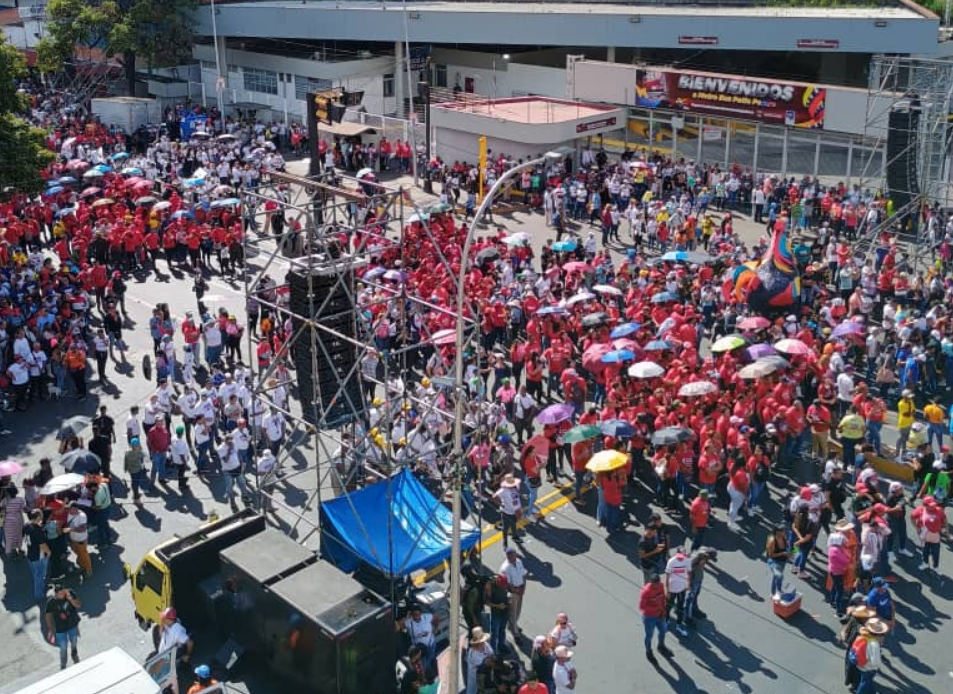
(119, 156)
(65, 211)
(66, 180)
(564, 246)
(54, 190)
(550, 310)
(658, 346)
(675, 256)
(182, 213)
(617, 355)
(664, 298)
(227, 202)
(103, 168)
(132, 171)
(624, 330)
(193, 182)
(617, 428)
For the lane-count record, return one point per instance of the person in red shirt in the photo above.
(653, 604)
(699, 516)
(581, 453)
(612, 484)
(738, 488)
(819, 418)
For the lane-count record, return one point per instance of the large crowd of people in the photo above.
(636, 343)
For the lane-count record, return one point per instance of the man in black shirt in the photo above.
(104, 436)
(835, 492)
(650, 551)
(62, 623)
(498, 599)
(37, 553)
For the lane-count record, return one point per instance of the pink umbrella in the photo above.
(592, 357)
(444, 337)
(627, 343)
(754, 323)
(142, 185)
(90, 191)
(792, 346)
(576, 266)
(77, 165)
(10, 467)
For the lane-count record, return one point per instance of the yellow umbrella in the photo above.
(607, 461)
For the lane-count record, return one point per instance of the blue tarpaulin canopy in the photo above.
(396, 526)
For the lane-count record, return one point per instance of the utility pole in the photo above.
(423, 91)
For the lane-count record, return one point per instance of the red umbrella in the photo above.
(142, 185)
(627, 343)
(577, 266)
(90, 191)
(754, 323)
(592, 357)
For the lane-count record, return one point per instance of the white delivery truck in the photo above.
(112, 672)
(128, 112)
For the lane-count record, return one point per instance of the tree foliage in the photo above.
(159, 32)
(23, 152)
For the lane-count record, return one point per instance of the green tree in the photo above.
(23, 151)
(156, 32)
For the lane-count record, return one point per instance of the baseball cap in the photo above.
(878, 581)
(134, 442)
(203, 672)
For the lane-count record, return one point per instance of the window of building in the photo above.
(389, 85)
(309, 85)
(264, 81)
(440, 76)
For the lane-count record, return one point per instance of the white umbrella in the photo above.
(697, 388)
(62, 483)
(577, 298)
(446, 336)
(607, 289)
(517, 239)
(162, 205)
(646, 369)
(364, 172)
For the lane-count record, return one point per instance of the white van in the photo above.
(110, 672)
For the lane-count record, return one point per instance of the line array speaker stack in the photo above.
(902, 140)
(338, 385)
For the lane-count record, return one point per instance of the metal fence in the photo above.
(761, 148)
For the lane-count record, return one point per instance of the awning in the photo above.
(345, 129)
(395, 525)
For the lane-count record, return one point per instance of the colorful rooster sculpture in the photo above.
(771, 285)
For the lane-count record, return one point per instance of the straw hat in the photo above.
(509, 481)
(843, 525)
(478, 636)
(876, 627)
(863, 613)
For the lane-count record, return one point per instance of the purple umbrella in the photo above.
(760, 350)
(848, 327)
(554, 414)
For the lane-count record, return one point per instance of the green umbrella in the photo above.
(728, 343)
(582, 432)
(439, 207)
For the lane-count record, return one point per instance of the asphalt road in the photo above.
(574, 569)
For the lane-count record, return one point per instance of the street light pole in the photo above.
(220, 79)
(457, 453)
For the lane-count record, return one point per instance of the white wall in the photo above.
(512, 78)
(455, 145)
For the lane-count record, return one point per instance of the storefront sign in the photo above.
(768, 101)
(818, 43)
(595, 125)
(698, 40)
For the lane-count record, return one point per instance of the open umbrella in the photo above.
(671, 435)
(65, 211)
(617, 356)
(418, 217)
(201, 135)
(592, 357)
(436, 208)
(374, 273)
(624, 330)
(848, 327)
(617, 428)
(582, 432)
(104, 202)
(664, 298)
(626, 343)
(226, 137)
(520, 238)
(551, 311)
(120, 156)
(77, 165)
(88, 192)
(162, 205)
(579, 298)
(12, 467)
(696, 389)
(145, 201)
(658, 346)
(131, 171)
(593, 320)
(193, 182)
(607, 289)
(93, 173)
(487, 255)
(567, 246)
(53, 191)
(72, 427)
(646, 369)
(757, 369)
(182, 213)
(63, 483)
(66, 180)
(223, 190)
(554, 414)
(607, 461)
(776, 359)
(577, 266)
(792, 346)
(394, 276)
(759, 350)
(728, 343)
(364, 172)
(226, 202)
(446, 336)
(103, 168)
(754, 323)
(81, 461)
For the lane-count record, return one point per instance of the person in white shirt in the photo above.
(564, 672)
(179, 455)
(507, 497)
(241, 436)
(564, 633)
(232, 470)
(678, 573)
(76, 523)
(421, 627)
(516, 575)
(203, 444)
(19, 373)
(173, 635)
(274, 426)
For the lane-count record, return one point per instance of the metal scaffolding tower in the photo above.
(339, 236)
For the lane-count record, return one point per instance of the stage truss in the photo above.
(327, 210)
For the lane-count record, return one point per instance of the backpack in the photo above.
(858, 652)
